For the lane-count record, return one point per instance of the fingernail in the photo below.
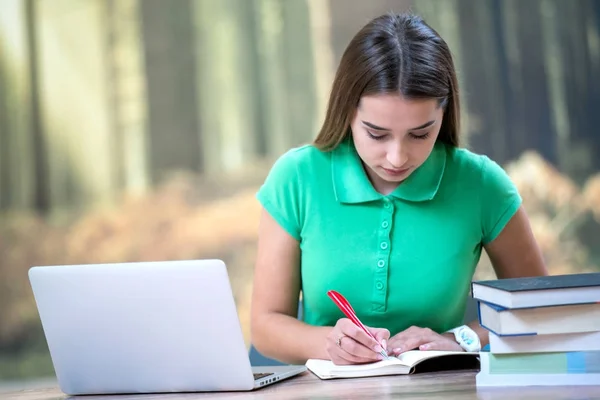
(384, 344)
(397, 350)
(377, 348)
(424, 347)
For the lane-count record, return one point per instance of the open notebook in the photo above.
(406, 363)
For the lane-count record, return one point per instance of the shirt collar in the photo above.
(351, 183)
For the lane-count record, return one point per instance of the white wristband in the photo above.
(467, 338)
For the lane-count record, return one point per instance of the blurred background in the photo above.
(140, 130)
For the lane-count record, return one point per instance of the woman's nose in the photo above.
(396, 156)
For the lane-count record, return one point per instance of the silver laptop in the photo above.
(149, 327)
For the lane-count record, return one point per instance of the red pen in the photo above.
(347, 309)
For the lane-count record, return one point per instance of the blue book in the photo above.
(561, 342)
(561, 319)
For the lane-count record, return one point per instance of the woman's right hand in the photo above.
(348, 344)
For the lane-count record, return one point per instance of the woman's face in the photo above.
(394, 136)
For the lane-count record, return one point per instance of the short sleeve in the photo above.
(280, 194)
(500, 199)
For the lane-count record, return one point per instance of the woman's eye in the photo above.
(420, 137)
(375, 137)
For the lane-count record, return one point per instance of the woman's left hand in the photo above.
(415, 338)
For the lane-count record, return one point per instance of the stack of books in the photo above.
(543, 330)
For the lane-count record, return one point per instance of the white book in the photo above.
(483, 379)
(540, 320)
(486, 379)
(582, 341)
(406, 363)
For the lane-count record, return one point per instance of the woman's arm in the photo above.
(514, 254)
(276, 331)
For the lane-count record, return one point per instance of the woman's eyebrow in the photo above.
(425, 125)
(373, 126)
(379, 128)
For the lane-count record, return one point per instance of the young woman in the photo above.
(385, 208)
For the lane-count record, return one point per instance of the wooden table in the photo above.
(439, 385)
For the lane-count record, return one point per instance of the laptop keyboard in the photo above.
(262, 375)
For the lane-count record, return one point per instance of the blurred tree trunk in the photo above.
(170, 71)
(4, 129)
(570, 48)
(581, 44)
(39, 149)
(323, 57)
(74, 104)
(535, 127)
(516, 105)
(479, 32)
(299, 72)
(17, 175)
(226, 60)
(286, 74)
(127, 102)
(110, 25)
(272, 76)
(592, 18)
(553, 42)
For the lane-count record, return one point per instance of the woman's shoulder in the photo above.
(480, 171)
(465, 159)
(301, 159)
(468, 164)
(303, 153)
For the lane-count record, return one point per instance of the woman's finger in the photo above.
(398, 339)
(382, 336)
(380, 333)
(442, 344)
(370, 345)
(343, 351)
(413, 342)
(355, 352)
(437, 345)
(398, 342)
(345, 344)
(410, 344)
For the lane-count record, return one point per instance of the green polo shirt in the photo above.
(402, 259)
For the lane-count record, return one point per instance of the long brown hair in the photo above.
(392, 54)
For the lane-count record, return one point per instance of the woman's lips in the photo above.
(395, 172)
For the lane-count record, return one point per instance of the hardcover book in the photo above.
(539, 291)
